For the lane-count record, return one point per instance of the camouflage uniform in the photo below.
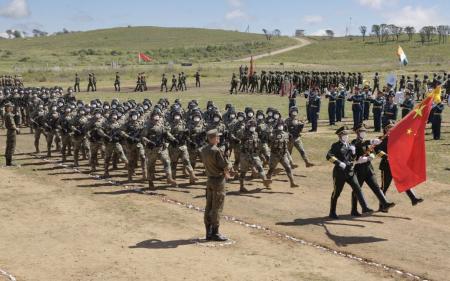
(10, 137)
(135, 150)
(112, 143)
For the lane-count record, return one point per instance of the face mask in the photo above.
(134, 117)
(106, 107)
(82, 112)
(276, 116)
(94, 105)
(295, 122)
(270, 113)
(88, 110)
(114, 106)
(67, 110)
(145, 107)
(294, 113)
(362, 135)
(250, 114)
(196, 119)
(216, 119)
(114, 117)
(54, 108)
(210, 108)
(41, 113)
(240, 118)
(72, 106)
(55, 115)
(252, 129)
(60, 104)
(260, 117)
(80, 105)
(156, 117)
(232, 116)
(344, 138)
(280, 128)
(177, 117)
(98, 115)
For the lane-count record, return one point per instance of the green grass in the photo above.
(101, 47)
(368, 55)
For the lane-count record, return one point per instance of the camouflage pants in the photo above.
(283, 159)
(298, 144)
(264, 152)
(10, 145)
(215, 199)
(95, 147)
(50, 137)
(66, 146)
(136, 152)
(194, 154)
(37, 137)
(80, 144)
(249, 161)
(177, 153)
(112, 148)
(154, 154)
(237, 155)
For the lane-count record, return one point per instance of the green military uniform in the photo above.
(113, 145)
(216, 165)
(10, 136)
(135, 150)
(79, 140)
(117, 83)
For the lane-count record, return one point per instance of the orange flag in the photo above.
(406, 146)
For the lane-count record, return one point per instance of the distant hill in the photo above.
(122, 45)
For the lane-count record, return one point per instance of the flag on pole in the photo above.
(406, 146)
(252, 69)
(401, 56)
(144, 57)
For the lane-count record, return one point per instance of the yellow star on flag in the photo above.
(418, 110)
(409, 131)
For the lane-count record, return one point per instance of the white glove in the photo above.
(342, 165)
(352, 148)
(371, 156)
(375, 142)
(362, 159)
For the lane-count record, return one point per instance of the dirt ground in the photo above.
(61, 224)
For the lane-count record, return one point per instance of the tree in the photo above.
(410, 30)
(384, 31)
(363, 30)
(276, 33)
(39, 33)
(429, 31)
(267, 33)
(17, 34)
(423, 36)
(329, 33)
(443, 31)
(396, 31)
(377, 31)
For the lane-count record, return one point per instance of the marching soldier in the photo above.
(364, 169)
(112, 142)
(51, 134)
(217, 170)
(76, 86)
(163, 82)
(197, 79)
(95, 134)
(340, 103)
(197, 137)
(314, 105)
(408, 103)
(117, 82)
(234, 84)
(389, 110)
(357, 107)
(79, 140)
(11, 132)
(342, 155)
(90, 83)
(366, 102)
(377, 110)
(332, 96)
(436, 119)
(64, 126)
(294, 128)
(174, 83)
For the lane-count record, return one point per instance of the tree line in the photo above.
(391, 32)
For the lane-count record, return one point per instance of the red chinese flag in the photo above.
(406, 146)
(144, 57)
(252, 69)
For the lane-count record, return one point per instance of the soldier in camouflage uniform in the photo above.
(95, 134)
(112, 141)
(197, 137)
(64, 127)
(155, 136)
(294, 128)
(37, 123)
(249, 155)
(234, 138)
(279, 153)
(174, 83)
(51, 134)
(263, 131)
(234, 84)
(178, 150)
(79, 140)
(11, 132)
(163, 82)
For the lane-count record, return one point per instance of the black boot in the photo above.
(333, 214)
(216, 236)
(208, 232)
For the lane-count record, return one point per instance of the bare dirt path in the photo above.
(302, 43)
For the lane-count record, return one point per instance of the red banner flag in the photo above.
(406, 146)
(144, 57)
(252, 69)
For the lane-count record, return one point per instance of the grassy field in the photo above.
(369, 55)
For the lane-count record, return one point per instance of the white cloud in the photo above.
(374, 4)
(15, 9)
(235, 3)
(312, 19)
(235, 14)
(415, 16)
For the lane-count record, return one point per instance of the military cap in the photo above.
(342, 131)
(212, 133)
(9, 104)
(361, 128)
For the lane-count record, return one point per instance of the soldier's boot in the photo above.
(216, 236)
(308, 163)
(8, 161)
(269, 174)
(241, 184)
(267, 182)
(333, 214)
(36, 146)
(291, 180)
(106, 173)
(75, 163)
(144, 169)
(151, 186)
(174, 172)
(362, 201)
(192, 177)
(354, 211)
(130, 175)
(412, 196)
(171, 180)
(208, 236)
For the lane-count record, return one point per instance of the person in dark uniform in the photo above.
(94, 82)
(90, 83)
(332, 97)
(11, 132)
(376, 82)
(340, 103)
(197, 79)
(174, 83)
(357, 107)
(389, 110)
(234, 84)
(364, 169)
(386, 177)
(436, 119)
(76, 86)
(314, 105)
(117, 82)
(163, 82)
(366, 102)
(408, 103)
(342, 155)
(293, 99)
(377, 110)
(218, 171)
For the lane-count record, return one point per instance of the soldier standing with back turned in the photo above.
(11, 133)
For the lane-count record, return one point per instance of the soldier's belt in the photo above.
(314, 106)
(377, 107)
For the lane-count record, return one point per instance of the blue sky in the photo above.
(288, 15)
